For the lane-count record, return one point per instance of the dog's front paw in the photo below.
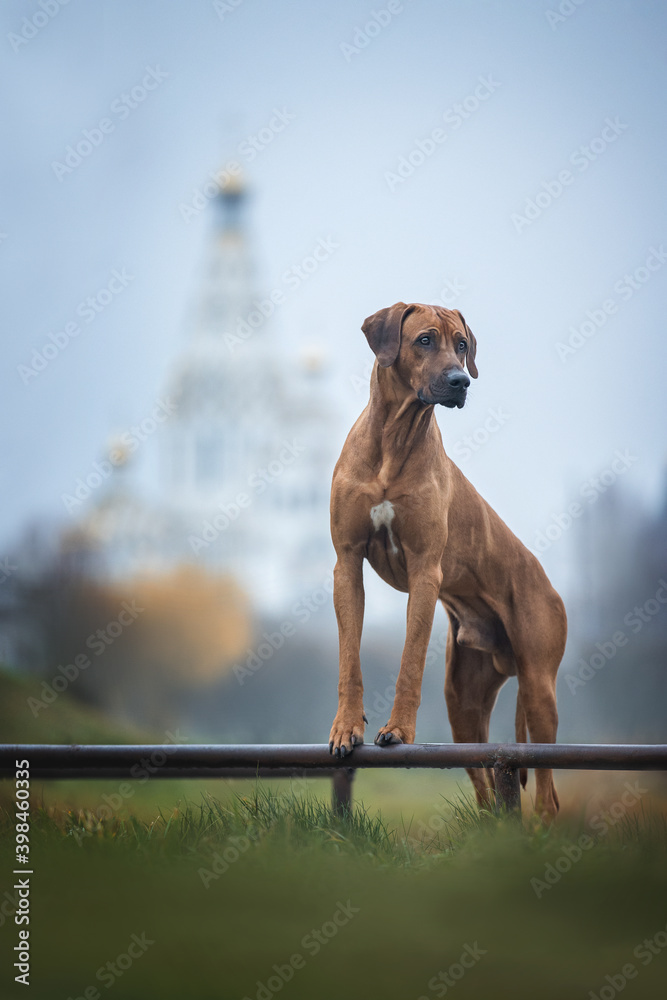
(346, 733)
(393, 734)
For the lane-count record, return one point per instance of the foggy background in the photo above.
(560, 276)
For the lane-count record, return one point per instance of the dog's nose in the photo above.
(458, 380)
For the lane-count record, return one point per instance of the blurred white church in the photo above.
(239, 475)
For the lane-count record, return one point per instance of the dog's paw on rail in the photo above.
(389, 735)
(347, 732)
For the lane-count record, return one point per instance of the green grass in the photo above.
(266, 820)
(229, 886)
(67, 720)
(230, 878)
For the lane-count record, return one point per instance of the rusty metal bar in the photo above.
(140, 762)
(508, 789)
(341, 796)
(142, 773)
(203, 761)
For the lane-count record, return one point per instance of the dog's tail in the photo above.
(521, 730)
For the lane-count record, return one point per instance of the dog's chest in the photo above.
(382, 515)
(384, 551)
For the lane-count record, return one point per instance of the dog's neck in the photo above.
(400, 423)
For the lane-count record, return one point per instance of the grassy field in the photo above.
(219, 891)
(241, 889)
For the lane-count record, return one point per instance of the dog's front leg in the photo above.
(423, 589)
(348, 726)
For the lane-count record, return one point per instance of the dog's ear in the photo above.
(472, 346)
(383, 332)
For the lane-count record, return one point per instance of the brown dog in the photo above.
(400, 502)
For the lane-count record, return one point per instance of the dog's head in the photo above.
(427, 347)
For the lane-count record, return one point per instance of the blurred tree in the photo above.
(613, 684)
(136, 648)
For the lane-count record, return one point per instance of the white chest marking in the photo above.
(383, 514)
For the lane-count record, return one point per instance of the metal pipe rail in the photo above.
(313, 760)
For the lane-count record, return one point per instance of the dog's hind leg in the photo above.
(471, 687)
(538, 640)
(538, 698)
(521, 730)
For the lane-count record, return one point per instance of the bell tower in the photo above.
(239, 474)
(221, 382)
(227, 284)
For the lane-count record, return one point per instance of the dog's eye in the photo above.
(424, 340)
(462, 345)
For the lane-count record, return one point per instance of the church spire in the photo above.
(227, 283)
(231, 203)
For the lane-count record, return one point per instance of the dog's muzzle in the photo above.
(448, 389)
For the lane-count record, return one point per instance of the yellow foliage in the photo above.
(193, 624)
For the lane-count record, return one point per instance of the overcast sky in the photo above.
(566, 112)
